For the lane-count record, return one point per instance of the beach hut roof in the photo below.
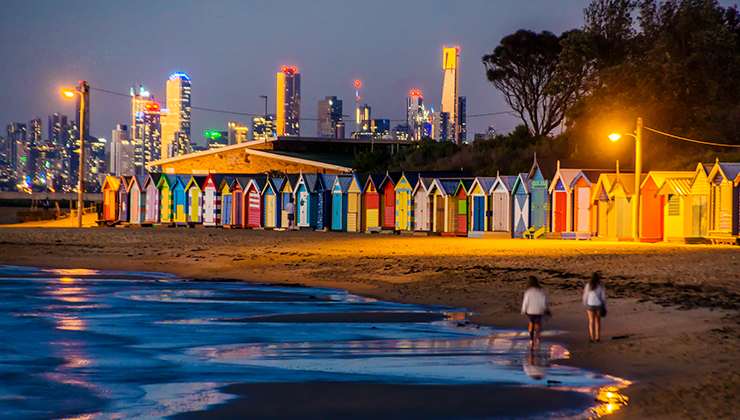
(603, 186)
(152, 178)
(275, 184)
(507, 181)
(730, 171)
(485, 182)
(392, 177)
(591, 176)
(292, 180)
(448, 186)
(310, 181)
(626, 182)
(112, 182)
(412, 178)
(423, 183)
(197, 180)
(259, 183)
(523, 180)
(344, 182)
(376, 179)
(701, 168)
(466, 184)
(241, 182)
(327, 181)
(564, 175)
(659, 177)
(675, 186)
(125, 181)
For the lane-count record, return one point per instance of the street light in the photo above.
(70, 93)
(638, 173)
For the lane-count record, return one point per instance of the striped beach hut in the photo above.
(584, 219)
(287, 192)
(180, 199)
(194, 190)
(444, 214)
(212, 200)
(272, 202)
(461, 196)
(226, 203)
(520, 205)
(422, 204)
(678, 220)
(501, 197)
(306, 194)
(110, 198)
(372, 198)
(152, 198)
(137, 199)
(324, 196)
(387, 189)
(253, 201)
(237, 188)
(123, 199)
(724, 200)
(480, 202)
(561, 198)
(652, 214)
(166, 198)
(339, 205)
(354, 204)
(405, 201)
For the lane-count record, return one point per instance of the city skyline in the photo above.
(390, 63)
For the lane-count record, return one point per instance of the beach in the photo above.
(672, 326)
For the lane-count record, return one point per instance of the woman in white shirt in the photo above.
(594, 299)
(534, 306)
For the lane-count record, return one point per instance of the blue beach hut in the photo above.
(326, 183)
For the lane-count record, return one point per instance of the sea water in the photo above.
(88, 344)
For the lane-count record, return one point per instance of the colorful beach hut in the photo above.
(272, 202)
(306, 194)
(253, 201)
(166, 199)
(422, 204)
(194, 190)
(212, 200)
(501, 195)
(123, 199)
(724, 200)
(387, 190)
(444, 214)
(521, 207)
(372, 197)
(622, 193)
(180, 199)
(652, 214)
(539, 178)
(480, 202)
(584, 215)
(110, 198)
(226, 204)
(287, 191)
(237, 188)
(152, 212)
(561, 198)
(678, 220)
(405, 201)
(324, 195)
(137, 199)
(461, 196)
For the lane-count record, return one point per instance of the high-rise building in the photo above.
(121, 152)
(330, 118)
(451, 92)
(442, 130)
(288, 102)
(417, 117)
(364, 118)
(462, 127)
(263, 128)
(380, 128)
(237, 133)
(16, 151)
(56, 128)
(176, 119)
(34, 133)
(139, 99)
(152, 141)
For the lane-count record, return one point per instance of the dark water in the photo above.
(83, 344)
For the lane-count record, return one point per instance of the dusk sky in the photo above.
(232, 51)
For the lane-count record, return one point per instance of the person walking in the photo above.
(535, 306)
(290, 209)
(594, 299)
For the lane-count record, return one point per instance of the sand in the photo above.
(672, 328)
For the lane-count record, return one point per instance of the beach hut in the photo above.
(461, 196)
(152, 212)
(272, 202)
(253, 201)
(238, 186)
(678, 210)
(422, 204)
(110, 198)
(287, 192)
(226, 203)
(480, 206)
(137, 199)
(306, 194)
(405, 202)
(584, 215)
(560, 196)
(539, 178)
(339, 205)
(652, 214)
(123, 199)
(387, 210)
(444, 214)
(501, 197)
(166, 199)
(622, 193)
(324, 201)
(180, 199)
(604, 206)
(212, 200)
(520, 205)
(372, 197)
(194, 192)
(724, 203)
(354, 204)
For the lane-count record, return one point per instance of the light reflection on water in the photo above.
(108, 345)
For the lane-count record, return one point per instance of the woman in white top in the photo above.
(534, 306)
(594, 299)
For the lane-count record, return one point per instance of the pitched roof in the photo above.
(729, 170)
(344, 182)
(523, 180)
(310, 180)
(659, 177)
(376, 179)
(564, 175)
(675, 186)
(485, 182)
(327, 180)
(507, 181)
(153, 178)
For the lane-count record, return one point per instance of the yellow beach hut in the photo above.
(724, 209)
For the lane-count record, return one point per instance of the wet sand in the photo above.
(672, 325)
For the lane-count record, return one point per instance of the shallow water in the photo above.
(85, 344)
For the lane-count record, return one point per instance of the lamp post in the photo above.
(70, 93)
(638, 173)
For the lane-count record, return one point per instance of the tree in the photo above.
(524, 67)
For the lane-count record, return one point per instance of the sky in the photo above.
(232, 51)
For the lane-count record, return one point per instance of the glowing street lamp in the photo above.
(70, 93)
(638, 173)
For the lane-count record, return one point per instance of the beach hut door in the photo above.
(699, 225)
(583, 209)
(336, 211)
(303, 220)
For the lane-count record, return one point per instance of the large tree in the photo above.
(524, 66)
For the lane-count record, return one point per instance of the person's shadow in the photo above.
(534, 366)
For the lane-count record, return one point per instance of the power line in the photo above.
(691, 140)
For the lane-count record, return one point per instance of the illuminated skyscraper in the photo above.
(288, 102)
(417, 117)
(152, 140)
(330, 118)
(16, 151)
(462, 126)
(139, 98)
(121, 151)
(450, 93)
(176, 119)
(364, 118)
(263, 127)
(34, 132)
(56, 128)
(237, 133)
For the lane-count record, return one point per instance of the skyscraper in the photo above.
(34, 132)
(417, 117)
(451, 92)
(57, 123)
(139, 98)
(364, 118)
(121, 151)
(152, 140)
(462, 127)
(16, 145)
(288, 102)
(176, 118)
(237, 133)
(263, 127)
(330, 118)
